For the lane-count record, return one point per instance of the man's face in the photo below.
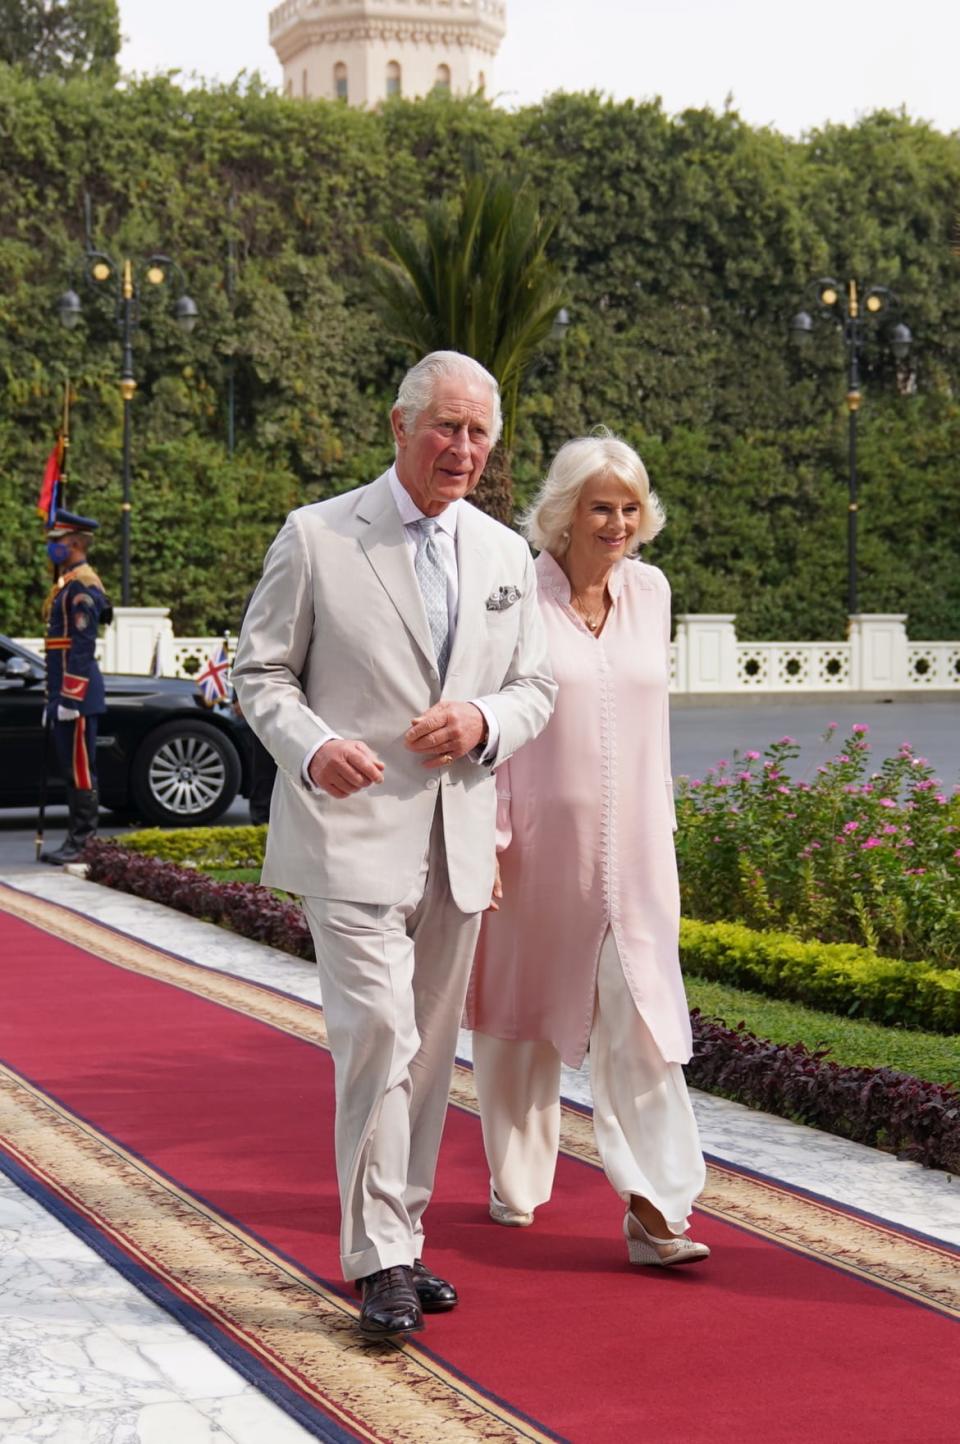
(443, 455)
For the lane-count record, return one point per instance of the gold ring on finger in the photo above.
(447, 758)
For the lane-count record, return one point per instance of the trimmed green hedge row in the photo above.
(838, 977)
(221, 847)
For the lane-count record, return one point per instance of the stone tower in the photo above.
(362, 51)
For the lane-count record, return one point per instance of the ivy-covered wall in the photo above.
(688, 241)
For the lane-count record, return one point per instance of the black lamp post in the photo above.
(852, 312)
(126, 282)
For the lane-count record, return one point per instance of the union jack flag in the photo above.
(212, 677)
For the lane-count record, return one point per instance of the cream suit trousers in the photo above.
(393, 981)
(644, 1125)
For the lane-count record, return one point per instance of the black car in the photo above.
(162, 755)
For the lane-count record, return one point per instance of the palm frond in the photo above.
(477, 278)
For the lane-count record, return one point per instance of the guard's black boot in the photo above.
(84, 806)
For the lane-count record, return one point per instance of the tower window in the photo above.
(304, 85)
(442, 81)
(340, 81)
(393, 79)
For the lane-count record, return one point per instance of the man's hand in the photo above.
(493, 906)
(342, 768)
(447, 731)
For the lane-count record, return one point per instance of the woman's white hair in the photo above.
(418, 386)
(546, 524)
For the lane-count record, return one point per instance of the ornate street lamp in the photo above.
(853, 310)
(126, 282)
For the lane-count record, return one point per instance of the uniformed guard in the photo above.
(74, 609)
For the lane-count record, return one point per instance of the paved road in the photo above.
(701, 736)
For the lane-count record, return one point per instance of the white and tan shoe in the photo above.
(501, 1212)
(643, 1248)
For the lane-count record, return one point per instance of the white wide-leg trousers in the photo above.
(393, 982)
(644, 1125)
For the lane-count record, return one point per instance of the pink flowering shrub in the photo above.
(861, 853)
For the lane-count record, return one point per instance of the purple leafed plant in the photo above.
(244, 907)
(879, 1106)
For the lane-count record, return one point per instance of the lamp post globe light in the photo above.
(125, 283)
(853, 309)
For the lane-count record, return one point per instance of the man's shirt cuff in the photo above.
(325, 737)
(485, 753)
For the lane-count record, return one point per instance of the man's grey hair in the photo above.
(420, 383)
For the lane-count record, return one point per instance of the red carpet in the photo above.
(182, 1121)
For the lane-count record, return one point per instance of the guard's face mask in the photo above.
(58, 552)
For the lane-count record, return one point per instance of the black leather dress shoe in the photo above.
(390, 1307)
(435, 1294)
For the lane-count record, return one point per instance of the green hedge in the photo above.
(838, 977)
(203, 847)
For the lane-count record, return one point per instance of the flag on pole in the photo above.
(212, 677)
(49, 498)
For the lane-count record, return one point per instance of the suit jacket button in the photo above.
(432, 782)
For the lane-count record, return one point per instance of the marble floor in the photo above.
(85, 1358)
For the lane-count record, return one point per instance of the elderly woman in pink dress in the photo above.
(582, 951)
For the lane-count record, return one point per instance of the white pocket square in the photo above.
(502, 598)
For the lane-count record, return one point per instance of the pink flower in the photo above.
(867, 788)
(957, 855)
(696, 783)
(744, 776)
(915, 872)
(888, 829)
(941, 799)
(850, 787)
(751, 756)
(850, 826)
(787, 742)
(859, 728)
(791, 815)
(927, 785)
(786, 790)
(842, 758)
(871, 842)
(886, 802)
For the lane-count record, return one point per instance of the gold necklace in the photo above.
(593, 622)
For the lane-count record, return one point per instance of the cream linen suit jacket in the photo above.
(336, 637)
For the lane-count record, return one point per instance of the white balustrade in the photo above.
(706, 656)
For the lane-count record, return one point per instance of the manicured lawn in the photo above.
(233, 874)
(857, 1044)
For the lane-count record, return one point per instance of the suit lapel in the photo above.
(385, 546)
(472, 568)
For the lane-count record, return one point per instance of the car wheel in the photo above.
(184, 774)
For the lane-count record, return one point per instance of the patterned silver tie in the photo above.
(428, 565)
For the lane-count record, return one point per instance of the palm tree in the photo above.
(477, 280)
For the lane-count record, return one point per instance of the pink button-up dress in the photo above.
(585, 833)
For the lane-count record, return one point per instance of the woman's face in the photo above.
(604, 523)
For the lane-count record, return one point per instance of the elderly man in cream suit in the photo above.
(391, 656)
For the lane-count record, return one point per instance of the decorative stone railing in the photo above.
(706, 657)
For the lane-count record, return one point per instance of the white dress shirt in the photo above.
(446, 540)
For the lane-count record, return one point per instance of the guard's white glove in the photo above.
(66, 714)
